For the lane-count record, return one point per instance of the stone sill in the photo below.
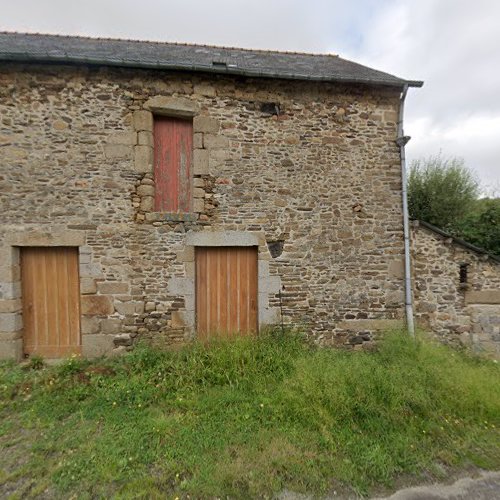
(171, 217)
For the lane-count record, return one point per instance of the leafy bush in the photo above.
(441, 191)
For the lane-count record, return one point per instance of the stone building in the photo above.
(456, 287)
(164, 191)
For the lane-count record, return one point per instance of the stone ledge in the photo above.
(483, 297)
(171, 217)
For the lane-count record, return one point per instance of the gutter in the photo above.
(401, 141)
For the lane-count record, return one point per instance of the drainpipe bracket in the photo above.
(403, 141)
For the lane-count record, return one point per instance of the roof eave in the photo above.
(27, 58)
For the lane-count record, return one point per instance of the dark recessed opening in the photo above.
(275, 248)
(219, 64)
(270, 108)
(463, 273)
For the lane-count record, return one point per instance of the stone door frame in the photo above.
(11, 305)
(185, 286)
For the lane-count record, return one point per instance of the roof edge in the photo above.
(160, 42)
(458, 241)
(26, 58)
(415, 83)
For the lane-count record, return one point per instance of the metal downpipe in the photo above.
(401, 142)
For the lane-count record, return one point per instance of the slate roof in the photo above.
(39, 48)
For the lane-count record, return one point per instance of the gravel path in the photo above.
(484, 487)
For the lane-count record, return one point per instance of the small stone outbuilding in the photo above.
(456, 288)
(166, 192)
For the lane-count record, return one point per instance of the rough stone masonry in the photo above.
(320, 180)
(462, 309)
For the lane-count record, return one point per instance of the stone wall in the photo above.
(311, 169)
(459, 313)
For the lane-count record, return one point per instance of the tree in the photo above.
(481, 226)
(441, 191)
(445, 193)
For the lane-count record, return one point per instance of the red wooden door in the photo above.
(51, 301)
(226, 291)
(173, 145)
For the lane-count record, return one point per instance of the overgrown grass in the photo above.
(246, 419)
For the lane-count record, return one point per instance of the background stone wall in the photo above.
(312, 168)
(467, 314)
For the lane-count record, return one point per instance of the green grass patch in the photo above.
(245, 419)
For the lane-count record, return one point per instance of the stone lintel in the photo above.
(172, 106)
(55, 238)
(222, 238)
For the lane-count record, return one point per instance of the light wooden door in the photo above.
(226, 291)
(51, 301)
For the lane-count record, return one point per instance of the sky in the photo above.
(453, 45)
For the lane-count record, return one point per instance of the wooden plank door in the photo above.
(51, 301)
(226, 291)
(173, 145)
